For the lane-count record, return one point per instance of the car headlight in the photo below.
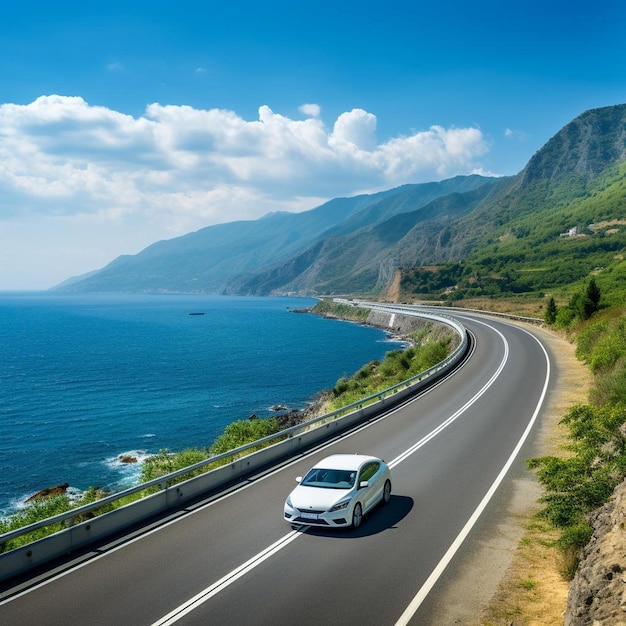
(342, 504)
(288, 503)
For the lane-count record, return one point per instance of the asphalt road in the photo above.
(235, 561)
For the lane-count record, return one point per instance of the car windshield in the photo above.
(329, 478)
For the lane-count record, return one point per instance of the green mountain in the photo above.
(560, 220)
(365, 260)
(207, 260)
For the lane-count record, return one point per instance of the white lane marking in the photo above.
(456, 544)
(415, 447)
(225, 581)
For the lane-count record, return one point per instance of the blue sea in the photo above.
(85, 379)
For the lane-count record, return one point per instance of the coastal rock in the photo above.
(299, 416)
(597, 595)
(127, 458)
(49, 492)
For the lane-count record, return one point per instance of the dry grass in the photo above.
(525, 307)
(533, 592)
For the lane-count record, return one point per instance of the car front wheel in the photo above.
(357, 515)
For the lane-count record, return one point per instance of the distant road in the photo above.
(235, 561)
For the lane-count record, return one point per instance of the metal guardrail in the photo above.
(417, 307)
(295, 436)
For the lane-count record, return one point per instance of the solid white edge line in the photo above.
(249, 565)
(456, 544)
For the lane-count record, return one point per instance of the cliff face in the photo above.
(597, 595)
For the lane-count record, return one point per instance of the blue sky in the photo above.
(123, 123)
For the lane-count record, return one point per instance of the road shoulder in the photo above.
(513, 576)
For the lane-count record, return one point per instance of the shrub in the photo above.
(166, 462)
(244, 431)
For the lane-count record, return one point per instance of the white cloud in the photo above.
(356, 128)
(176, 168)
(518, 135)
(312, 110)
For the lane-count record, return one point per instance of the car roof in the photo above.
(345, 461)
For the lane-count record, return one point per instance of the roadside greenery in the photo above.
(397, 365)
(595, 455)
(581, 306)
(329, 308)
(236, 434)
(550, 239)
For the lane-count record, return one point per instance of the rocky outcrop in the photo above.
(49, 492)
(597, 595)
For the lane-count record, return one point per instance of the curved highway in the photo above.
(233, 560)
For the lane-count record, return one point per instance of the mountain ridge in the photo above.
(205, 260)
(357, 245)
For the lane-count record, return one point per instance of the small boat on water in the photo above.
(197, 313)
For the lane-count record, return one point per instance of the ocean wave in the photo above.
(127, 468)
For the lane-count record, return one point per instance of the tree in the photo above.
(586, 303)
(551, 311)
(593, 294)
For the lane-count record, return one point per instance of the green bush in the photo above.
(397, 365)
(244, 431)
(588, 337)
(610, 385)
(583, 481)
(166, 462)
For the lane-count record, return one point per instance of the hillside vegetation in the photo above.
(548, 248)
(594, 459)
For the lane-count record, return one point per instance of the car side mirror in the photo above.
(298, 479)
(363, 484)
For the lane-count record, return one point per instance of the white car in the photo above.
(338, 491)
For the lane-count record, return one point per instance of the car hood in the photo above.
(315, 498)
